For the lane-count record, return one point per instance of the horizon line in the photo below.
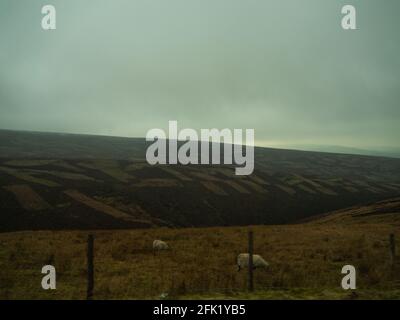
(367, 152)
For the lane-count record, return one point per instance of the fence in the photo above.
(250, 274)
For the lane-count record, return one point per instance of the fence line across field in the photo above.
(250, 278)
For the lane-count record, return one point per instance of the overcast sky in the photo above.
(285, 68)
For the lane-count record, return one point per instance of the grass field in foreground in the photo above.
(305, 262)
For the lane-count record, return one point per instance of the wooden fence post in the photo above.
(250, 280)
(90, 267)
(392, 242)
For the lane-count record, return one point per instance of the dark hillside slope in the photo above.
(63, 181)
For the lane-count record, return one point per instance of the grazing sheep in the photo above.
(258, 261)
(159, 245)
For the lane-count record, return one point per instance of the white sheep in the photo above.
(160, 245)
(258, 261)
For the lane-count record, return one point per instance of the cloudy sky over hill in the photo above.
(285, 68)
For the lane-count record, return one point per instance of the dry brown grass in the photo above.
(25, 176)
(200, 262)
(28, 199)
(100, 206)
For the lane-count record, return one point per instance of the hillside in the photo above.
(62, 181)
(385, 211)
